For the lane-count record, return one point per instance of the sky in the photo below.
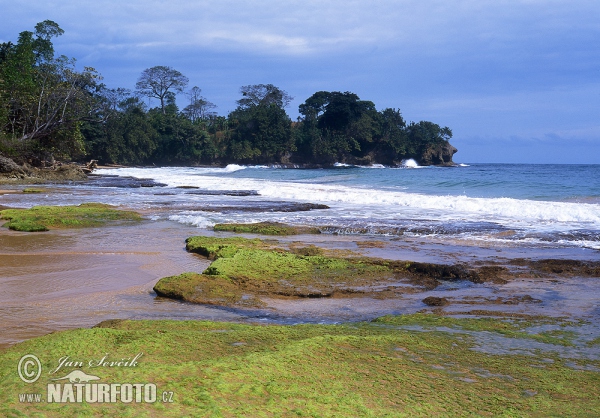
(517, 81)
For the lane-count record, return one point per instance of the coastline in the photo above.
(490, 349)
(88, 293)
(86, 276)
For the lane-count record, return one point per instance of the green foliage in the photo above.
(50, 110)
(341, 127)
(262, 134)
(43, 99)
(42, 218)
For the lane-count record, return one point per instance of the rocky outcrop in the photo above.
(439, 154)
(9, 167)
(11, 172)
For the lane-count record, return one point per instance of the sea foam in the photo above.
(362, 202)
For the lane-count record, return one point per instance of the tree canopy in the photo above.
(263, 94)
(43, 99)
(50, 109)
(159, 82)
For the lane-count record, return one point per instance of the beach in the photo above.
(472, 299)
(64, 279)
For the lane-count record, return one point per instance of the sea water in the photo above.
(499, 204)
(65, 279)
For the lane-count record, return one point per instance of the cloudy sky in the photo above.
(515, 80)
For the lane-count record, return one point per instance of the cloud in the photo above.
(503, 68)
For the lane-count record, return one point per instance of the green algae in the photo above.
(265, 228)
(513, 327)
(213, 247)
(43, 218)
(32, 190)
(244, 268)
(347, 370)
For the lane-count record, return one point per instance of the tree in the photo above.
(199, 108)
(44, 99)
(262, 135)
(159, 82)
(337, 127)
(263, 94)
(262, 130)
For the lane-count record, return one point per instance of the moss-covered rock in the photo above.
(266, 228)
(253, 267)
(205, 289)
(386, 368)
(32, 190)
(43, 218)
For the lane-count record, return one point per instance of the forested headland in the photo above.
(50, 110)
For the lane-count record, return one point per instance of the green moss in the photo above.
(212, 247)
(347, 370)
(32, 190)
(514, 328)
(266, 228)
(252, 267)
(42, 218)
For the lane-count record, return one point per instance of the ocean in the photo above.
(504, 205)
(471, 214)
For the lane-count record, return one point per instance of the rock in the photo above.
(67, 172)
(8, 166)
(439, 154)
(10, 172)
(435, 301)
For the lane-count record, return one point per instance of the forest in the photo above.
(50, 110)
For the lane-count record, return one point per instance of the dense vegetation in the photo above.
(49, 109)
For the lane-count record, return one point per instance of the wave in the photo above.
(410, 163)
(357, 201)
(162, 172)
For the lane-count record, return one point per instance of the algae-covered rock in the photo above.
(31, 190)
(242, 266)
(266, 228)
(212, 247)
(43, 218)
(245, 268)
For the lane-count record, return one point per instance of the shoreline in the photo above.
(88, 266)
(527, 346)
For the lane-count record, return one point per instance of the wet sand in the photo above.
(65, 279)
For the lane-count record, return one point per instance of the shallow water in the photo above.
(77, 278)
(65, 279)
